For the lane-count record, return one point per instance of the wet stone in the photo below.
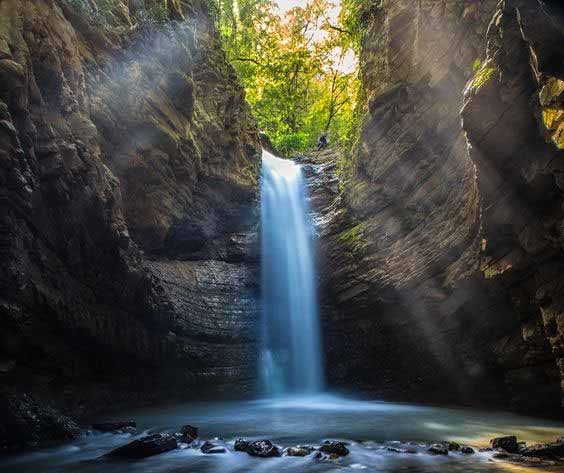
(334, 448)
(241, 445)
(467, 450)
(299, 451)
(507, 443)
(189, 433)
(146, 446)
(211, 448)
(548, 451)
(116, 427)
(453, 446)
(263, 449)
(260, 448)
(438, 449)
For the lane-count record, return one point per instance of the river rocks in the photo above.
(241, 445)
(116, 427)
(211, 448)
(188, 433)
(438, 449)
(260, 448)
(467, 450)
(553, 451)
(334, 448)
(299, 451)
(146, 446)
(508, 443)
(453, 446)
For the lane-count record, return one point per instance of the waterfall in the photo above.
(291, 350)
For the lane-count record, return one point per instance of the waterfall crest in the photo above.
(291, 349)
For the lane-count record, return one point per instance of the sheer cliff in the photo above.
(129, 169)
(441, 255)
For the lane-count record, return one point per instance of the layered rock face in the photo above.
(420, 300)
(122, 131)
(514, 118)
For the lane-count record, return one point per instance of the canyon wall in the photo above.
(128, 221)
(442, 255)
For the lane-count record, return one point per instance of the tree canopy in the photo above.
(295, 67)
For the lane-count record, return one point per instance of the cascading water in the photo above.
(291, 348)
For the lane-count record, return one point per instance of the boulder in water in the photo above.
(116, 427)
(146, 446)
(263, 449)
(467, 450)
(334, 448)
(547, 451)
(241, 445)
(438, 449)
(211, 448)
(188, 433)
(507, 443)
(299, 451)
(453, 446)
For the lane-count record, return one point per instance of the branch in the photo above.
(340, 30)
(248, 59)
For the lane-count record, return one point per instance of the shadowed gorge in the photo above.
(295, 236)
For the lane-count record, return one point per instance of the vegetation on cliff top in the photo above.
(297, 68)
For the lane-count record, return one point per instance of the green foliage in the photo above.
(352, 235)
(354, 17)
(476, 64)
(353, 239)
(292, 68)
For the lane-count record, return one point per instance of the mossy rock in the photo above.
(352, 235)
(551, 98)
(482, 77)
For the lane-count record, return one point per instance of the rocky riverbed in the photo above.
(324, 433)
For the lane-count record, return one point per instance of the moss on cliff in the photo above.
(353, 238)
(551, 98)
(482, 77)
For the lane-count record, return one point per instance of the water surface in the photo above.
(369, 427)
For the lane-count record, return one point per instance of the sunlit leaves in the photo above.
(292, 69)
